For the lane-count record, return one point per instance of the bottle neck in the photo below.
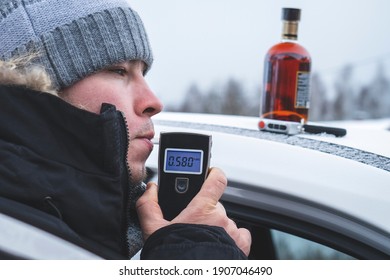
(290, 30)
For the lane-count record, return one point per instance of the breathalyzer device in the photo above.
(293, 128)
(183, 163)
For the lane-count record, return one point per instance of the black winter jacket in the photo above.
(64, 169)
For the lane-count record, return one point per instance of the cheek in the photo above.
(89, 95)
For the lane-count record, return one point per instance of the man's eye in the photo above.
(120, 71)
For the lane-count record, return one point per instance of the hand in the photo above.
(205, 208)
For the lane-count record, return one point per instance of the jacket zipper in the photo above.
(124, 123)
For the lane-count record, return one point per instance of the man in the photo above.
(74, 165)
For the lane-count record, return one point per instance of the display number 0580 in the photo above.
(181, 161)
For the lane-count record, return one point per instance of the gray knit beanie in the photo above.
(74, 38)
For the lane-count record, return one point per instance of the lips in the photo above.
(147, 139)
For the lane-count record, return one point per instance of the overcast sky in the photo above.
(209, 41)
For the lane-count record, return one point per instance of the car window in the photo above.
(291, 247)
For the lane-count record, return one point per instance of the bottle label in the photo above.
(302, 95)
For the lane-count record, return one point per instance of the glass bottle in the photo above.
(287, 75)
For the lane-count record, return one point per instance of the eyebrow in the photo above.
(130, 64)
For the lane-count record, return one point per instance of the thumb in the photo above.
(213, 187)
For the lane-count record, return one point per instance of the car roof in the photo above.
(367, 135)
(350, 173)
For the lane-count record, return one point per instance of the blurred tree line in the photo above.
(368, 101)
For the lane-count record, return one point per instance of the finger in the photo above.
(241, 236)
(244, 240)
(213, 187)
(149, 212)
(150, 195)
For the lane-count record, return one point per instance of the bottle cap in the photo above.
(291, 14)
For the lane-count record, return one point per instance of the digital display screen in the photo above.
(183, 161)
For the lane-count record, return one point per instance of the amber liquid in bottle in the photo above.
(287, 76)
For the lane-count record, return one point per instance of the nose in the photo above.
(150, 104)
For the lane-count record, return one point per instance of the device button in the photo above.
(262, 125)
(181, 185)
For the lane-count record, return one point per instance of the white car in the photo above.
(303, 196)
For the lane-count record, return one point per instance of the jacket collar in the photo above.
(76, 157)
(59, 131)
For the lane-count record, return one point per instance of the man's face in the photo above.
(124, 86)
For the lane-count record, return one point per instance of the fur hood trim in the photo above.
(17, 72)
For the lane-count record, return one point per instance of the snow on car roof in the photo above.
(365, 142)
